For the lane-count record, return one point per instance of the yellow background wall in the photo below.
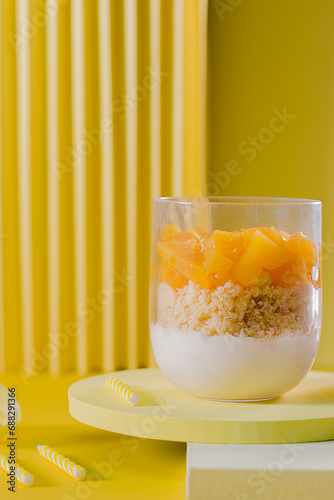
(102, 109)
(88, 137)
(264, 56)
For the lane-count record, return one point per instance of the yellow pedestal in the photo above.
(304, 414)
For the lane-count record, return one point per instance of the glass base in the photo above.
(238, 400)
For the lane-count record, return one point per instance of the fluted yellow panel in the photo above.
(49, 357)
(167, 34)
(107, 184)
(78, 165)
(102, 109)
(93, 186)
(144, 188)
(120, 112)
(66, 220)
(270, 59)
(39, 184)
(10, 240)
(191, 101)
(2, 325)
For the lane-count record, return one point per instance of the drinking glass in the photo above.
(235, 294)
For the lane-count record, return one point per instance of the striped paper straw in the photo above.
(62, 462)
(21, 474)
(123, 390)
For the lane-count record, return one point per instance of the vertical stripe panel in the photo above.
(190, 96)
(78, 165)
(95, 296)
(202, 89)
(2, 326)
(39, 182)
(102, 108)
(166, 93)
(11, 243)
(54, 173)
(147, 85)
(120, 112)
(155, 129)
(177, 123)
(107, 186)
(132, 92)
(24, 178)
(66, 345)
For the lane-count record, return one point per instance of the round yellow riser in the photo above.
(304, 414)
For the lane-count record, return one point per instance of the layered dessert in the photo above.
(238, 312)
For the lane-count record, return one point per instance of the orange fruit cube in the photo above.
(192, 268)
(172, 232)
(299, 264)
(201, 236)
(183, 257)
(307, 249)
(164, 273)
(172, 277)
(169, 250)
(279, 237)
(168, 231)
(221, 279)
(177, 280)
(226, 243)
(285, 275)
(246, 270)
(247, 235)
(217, 263)
(266, 252)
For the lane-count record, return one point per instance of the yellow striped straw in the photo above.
(21, 474)
(62, 462)
(123, 390)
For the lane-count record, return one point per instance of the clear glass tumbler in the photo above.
(235, 294)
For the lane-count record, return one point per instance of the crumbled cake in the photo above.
(260, 310)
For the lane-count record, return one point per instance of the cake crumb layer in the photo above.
(261, 310)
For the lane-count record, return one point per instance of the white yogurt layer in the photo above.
(232, 368)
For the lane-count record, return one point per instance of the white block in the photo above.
(291, 471)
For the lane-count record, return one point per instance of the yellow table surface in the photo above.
(138, 468)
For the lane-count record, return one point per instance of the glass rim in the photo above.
(237, 200)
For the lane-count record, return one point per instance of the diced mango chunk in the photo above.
(172, 232)
(202, 237)
(192, 268)
(246, 270)
(217, 263)
(247, 235)
(168, 232)
(164, 273)
(178, 281)
(182, 257)
(266, 252)
(228, 244)
(307, 250)
(221, 279)
(279, 237)
(172, 277)
(287, 274)
(169, 251)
